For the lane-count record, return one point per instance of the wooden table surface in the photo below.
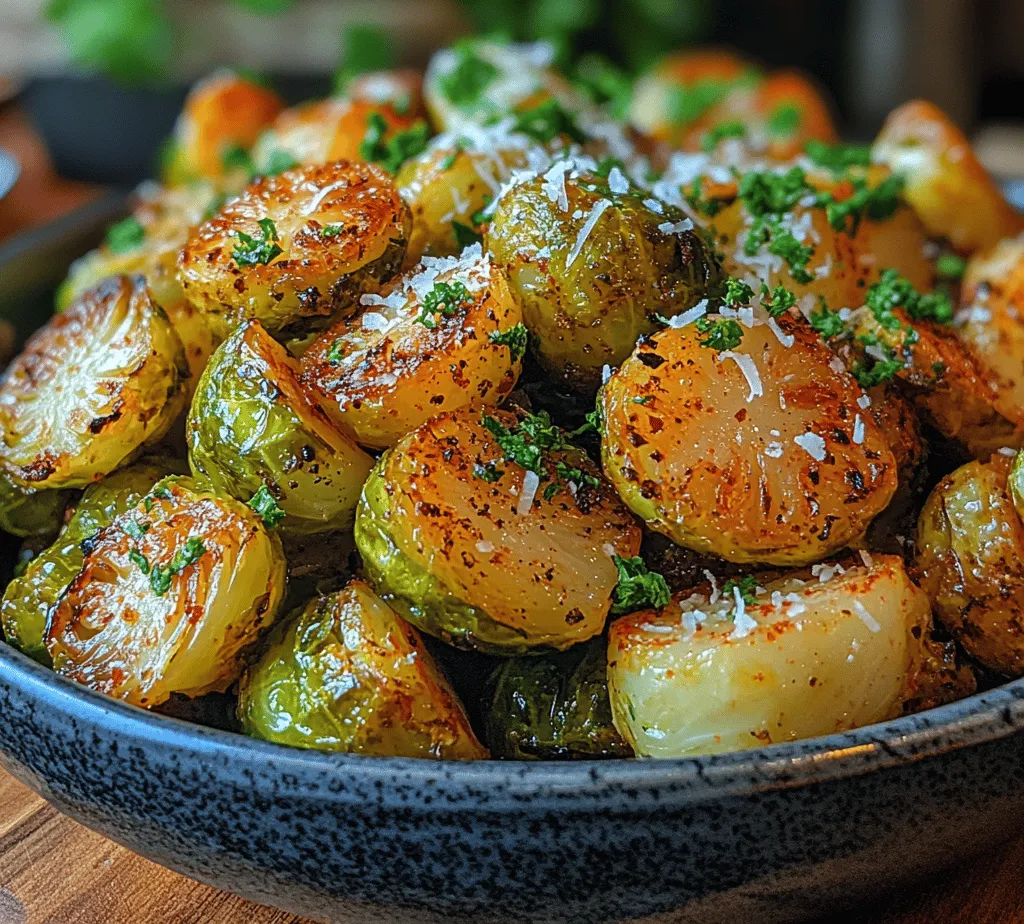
(54, 871)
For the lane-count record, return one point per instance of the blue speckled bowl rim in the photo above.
(975, 720)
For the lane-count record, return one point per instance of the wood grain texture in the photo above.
(54, 871)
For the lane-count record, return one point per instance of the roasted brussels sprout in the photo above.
(554, 707)
(944, 181)
(970, 561)
(349, 674)
(455, 179)
(746, 666)
(991, 321)
(594, 268)
(321, 132)
(252, 430)
(493, 533)
(171, 597)
(478, 80)
(147, 243)
(447, 335)
(295, 249)
(224, 114)
(755, 451)
(96, 384)
(30, 596)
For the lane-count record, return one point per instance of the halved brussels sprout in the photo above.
(991, 321)
(348, 674)
(447, 335)
(224, 113)
(31, 595)
(594, 268)
(100, 381)
(480, 79)
(312, 134)
(960, 398)
(147, 243)
(944, 181)
(746, 666)
(451, 182)
(252, 430)
(554, 707)
(297, 248)
(171, 597)
(473, 547)
(759, 453)
(970, 561)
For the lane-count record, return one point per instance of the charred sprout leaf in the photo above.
(253, 251)
(445, 298)
(638, 588)
(515, 338)
(125, 235)
(553, 707)
(265, 505)
(719, 334)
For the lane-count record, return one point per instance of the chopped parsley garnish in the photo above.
(710, 206)
(591, 423)
(125, 235)
(365, 48)
(605, 83)
(737, 292)
(826, 321)
(643, 399)
(465, 82)
(878, 372)
(576, 476)
(950, 266)
(782, 243)
(402, 145)
(253, 251)
(767, 193)
(139, 560)
(719, 334)
(236, 157)
(686, 103)
(879, 203)
(488, 472)
(465, 236)
(526, 444)
(784, 121)
(838, 158)
(776, 301)
(332, 230)
(892, 291)
(638, 588)
(160, 578)
(515, 338)
(733, 128)
(443, 299)
(265, 504)
(135, 529)
(337, 352)
(747, 586)
(545, 122)
(279, 161)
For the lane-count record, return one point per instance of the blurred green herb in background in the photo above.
(133, 41)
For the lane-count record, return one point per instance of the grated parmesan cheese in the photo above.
(864, 402)
(865, 557)
(744, 623)
(749, 369)
(866, 617)
(617, 182)
(531, 481)
(595, 213)
(812, 444)
(715, 593)
(858, 429)
(787, 340)
(690, 315)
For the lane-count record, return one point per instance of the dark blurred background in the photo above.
(102, 80)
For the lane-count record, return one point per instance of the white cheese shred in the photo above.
(812, 444)
(749, 369)
(595, 213)
(744, 623)
(531, 481)
(858, 429)
(865, 617)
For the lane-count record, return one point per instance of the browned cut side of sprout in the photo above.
(172, 597)
(295, 249)
(100, 381)
(762, 454)
(447, 335)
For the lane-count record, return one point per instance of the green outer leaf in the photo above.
(553, 707)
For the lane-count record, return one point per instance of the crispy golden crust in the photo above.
(784, 477)
(341, 227)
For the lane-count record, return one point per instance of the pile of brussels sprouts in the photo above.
(449, 417)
